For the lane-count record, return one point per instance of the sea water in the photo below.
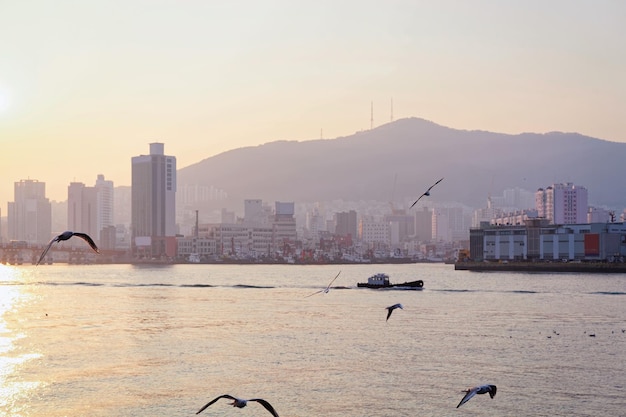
(124, 340)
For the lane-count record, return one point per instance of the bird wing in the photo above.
(214, 400)
(331, 282)
(87, 239)
(316, 292)
(417, 200)
(492, 391)
(470, 393)
(429, 188)
(265, 404)
(391, 308)
(43, 254)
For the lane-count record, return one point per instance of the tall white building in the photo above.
(90, 209)
(315, 222)
(284, 226)
(82, 210)
(29, 217)
(485, 214)
(375, 232)
(562, 203)
(105, 202)
(256, 213)
(153, 213)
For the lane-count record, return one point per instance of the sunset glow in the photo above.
(106, 78)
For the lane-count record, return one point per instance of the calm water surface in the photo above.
(122, 340)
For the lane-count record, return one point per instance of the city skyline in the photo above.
(106, 78)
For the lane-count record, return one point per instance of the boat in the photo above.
(381, 281)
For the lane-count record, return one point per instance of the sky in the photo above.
(87, 85)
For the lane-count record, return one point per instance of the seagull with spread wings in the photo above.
(391, 308)
(480, 389)
(426, 193)
(325, 290)
(66, 236)
(241, 403)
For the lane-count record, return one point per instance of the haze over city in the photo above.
(86, 86)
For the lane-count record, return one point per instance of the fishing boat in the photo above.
(381, 281)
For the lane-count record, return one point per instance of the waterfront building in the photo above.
(284, 226)
(153, 211)
(254, 236)
(196, 248)
(538, 239)
(29, 217)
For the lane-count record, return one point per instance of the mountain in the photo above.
(399, 160)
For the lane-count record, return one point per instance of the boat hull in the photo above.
(412, 285)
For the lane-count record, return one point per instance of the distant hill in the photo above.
(399, 160)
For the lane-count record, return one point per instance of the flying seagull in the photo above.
(481, 389)
(66, 236)
(391, 308)
(325, 290)
(241, 403)
(427, 193)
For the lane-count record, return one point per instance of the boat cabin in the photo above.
(381, 279)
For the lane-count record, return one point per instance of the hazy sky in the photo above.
(86, 85)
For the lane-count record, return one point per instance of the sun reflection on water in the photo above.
(12, 389)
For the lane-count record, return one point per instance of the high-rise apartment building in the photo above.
(402, 225)
(315, 223)
(284, 226)
(30, 215)
(90, 210)
(255, 213)
(82, 209)
(375, 232)
(562, 203)
(424, 225)
(153, 213)
(105, 202)
(346, 224)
